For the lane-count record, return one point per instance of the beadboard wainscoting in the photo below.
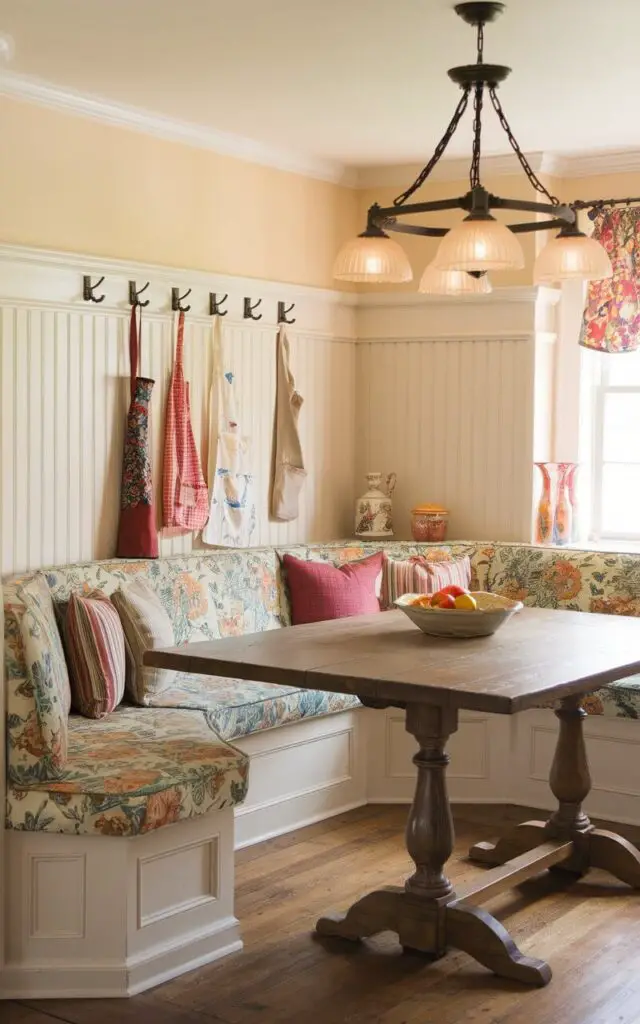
(65, 393)
(455, 397)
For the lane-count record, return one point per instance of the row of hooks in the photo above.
(215, 303)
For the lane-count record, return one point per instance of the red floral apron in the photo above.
(612, 315)
(137, 532)
(185, 494)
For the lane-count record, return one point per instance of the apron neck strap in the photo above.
(134, 348)
(180, 343)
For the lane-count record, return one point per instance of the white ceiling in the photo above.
(362, 82)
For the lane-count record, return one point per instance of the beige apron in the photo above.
(232, 514)
(288, 465)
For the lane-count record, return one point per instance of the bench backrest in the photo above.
(222, 593)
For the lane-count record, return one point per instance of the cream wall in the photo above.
(78, 185)
(599, 186)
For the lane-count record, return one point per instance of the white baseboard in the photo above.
(105, 981)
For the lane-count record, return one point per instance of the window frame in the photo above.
(603, 388)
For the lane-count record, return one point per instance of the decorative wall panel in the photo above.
(65, 390)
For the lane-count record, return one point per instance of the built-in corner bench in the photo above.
(121, 830)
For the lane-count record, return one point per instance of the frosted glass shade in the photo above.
(572, 257)
(372, 259)
(452, 282)
(479, 244)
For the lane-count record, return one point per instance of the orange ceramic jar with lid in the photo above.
(429, 523)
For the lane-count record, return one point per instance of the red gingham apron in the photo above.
(185, 494)
(137, 532)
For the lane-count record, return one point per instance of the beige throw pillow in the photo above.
(147, 626)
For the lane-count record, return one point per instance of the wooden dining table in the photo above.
(540, 655)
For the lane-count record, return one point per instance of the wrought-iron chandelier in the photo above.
(480, 242)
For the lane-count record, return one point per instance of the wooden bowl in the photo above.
(491, 613)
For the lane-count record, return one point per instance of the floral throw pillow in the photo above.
(46, 728)
(147, 626)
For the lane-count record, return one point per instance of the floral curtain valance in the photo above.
(612, 314)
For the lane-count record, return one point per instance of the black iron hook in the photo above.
(282, 313)
(88, 289)
(133, 294)
(248, 310)
(176, 300)
(215, 307)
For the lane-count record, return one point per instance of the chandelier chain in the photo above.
(474, 170)
(524, 163)
(480, 53)
(439, 150)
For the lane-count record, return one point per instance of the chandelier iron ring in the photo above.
(478, 203)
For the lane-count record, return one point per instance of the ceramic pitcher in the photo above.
(373, 509)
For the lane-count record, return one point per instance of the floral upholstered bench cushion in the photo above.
(587, 581)
(582, 581)
(617, 700)
(132, 772)
(236, 707)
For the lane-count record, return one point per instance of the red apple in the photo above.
(442, 600)
(454, 590)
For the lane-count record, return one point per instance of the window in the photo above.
(616, 446)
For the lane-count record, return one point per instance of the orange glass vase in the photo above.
(544, 517)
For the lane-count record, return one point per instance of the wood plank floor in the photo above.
(589, 932)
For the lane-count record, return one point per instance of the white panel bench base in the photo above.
(99, 916)
(504, 759)
(302, 773)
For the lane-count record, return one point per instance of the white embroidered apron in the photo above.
(288, 465)
(232, 515)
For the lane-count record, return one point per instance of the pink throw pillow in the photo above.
(320, 591)
(95, 648)
(419, 575)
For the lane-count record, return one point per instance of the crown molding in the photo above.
(455, 169)
(572, 165)
(35, 90)
(586, 165)
(556, 165)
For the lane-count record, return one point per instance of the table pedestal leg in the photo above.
(570, 783)
(426, 915)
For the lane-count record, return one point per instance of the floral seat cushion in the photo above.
(132, 772)
(237, 707)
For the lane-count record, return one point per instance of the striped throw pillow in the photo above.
(95, 648)
(147, 626)
(417, 575)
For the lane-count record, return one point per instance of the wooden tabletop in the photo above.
(538, 655)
